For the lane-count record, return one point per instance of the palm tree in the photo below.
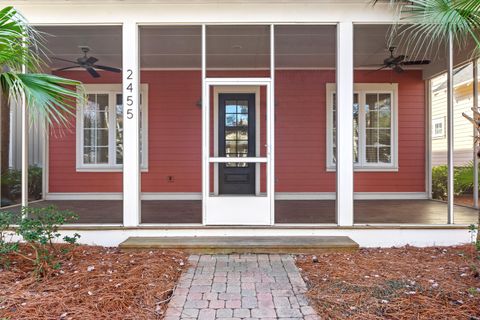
(424, 25)
(49, 99)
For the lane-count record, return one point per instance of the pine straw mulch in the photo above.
(396, 283)
(93, 283)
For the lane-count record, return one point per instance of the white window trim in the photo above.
(362, 89)
(436, 120)
(111, 90)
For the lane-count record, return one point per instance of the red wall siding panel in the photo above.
(300, 119)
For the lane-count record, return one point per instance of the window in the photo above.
(100, 128)
(438, 128)
(374, 127)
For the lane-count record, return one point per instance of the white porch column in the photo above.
(475, 135)
(344, 123)
(131, 125)
(25, 131)
(450, 124)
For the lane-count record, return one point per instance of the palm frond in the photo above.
(48, 97)
(424, 25)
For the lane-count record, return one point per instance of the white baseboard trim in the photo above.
(356, 196)
(305, 196)
(84, 196)
(198, 196)
(390, 196)
(119, 196)
(171, 196)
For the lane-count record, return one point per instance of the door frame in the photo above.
(217, 90)
(214, 204)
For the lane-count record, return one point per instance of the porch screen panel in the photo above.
(171, 124)
(238, 51)
(463, 143)
(305, 133)
(391, 179)
(82, 159)
(11, 154)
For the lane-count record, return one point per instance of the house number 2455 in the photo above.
(129, 97)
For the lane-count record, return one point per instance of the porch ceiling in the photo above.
(246, 47)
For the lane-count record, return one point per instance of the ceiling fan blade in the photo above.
(398, 69)
(92, 60)
(383, 67)
(92, 72)
(415, 62)
(66, 68)
(371, 65)
(106, 68)
(60, 59)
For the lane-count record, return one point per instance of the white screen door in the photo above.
(237, 152)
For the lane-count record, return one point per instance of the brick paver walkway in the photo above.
(251, 286)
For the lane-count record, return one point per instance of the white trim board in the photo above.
(198, 196)
(356, 196)
(119, 196)
(378, 237)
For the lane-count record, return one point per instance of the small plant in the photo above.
(6, 235)
(474, 229)
(39, 230)
(463, 181)
(439, 182)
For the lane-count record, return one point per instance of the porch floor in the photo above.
(286, 211)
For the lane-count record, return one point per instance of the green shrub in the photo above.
(6, 235)
(439, 182)
(11, 184)
(463, 180)
(39, 229)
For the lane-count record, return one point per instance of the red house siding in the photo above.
(174, 144)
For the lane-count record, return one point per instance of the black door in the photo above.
(236, 138)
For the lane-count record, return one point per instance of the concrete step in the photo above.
(226, 245)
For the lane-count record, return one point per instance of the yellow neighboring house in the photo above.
(463, 131)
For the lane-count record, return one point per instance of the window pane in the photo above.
(242, 119)
(230, 134)
(230, 120)
(242, 134)
(371, 154)
(384, 137)
(384, 115)
(95, 129)
(378, 119)
(102, 155)
(385, 155)
(242, 106)
(372, 137)
(230, 147)
(230, 106)
(119, 128)
(95, 155)
(242, 147)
